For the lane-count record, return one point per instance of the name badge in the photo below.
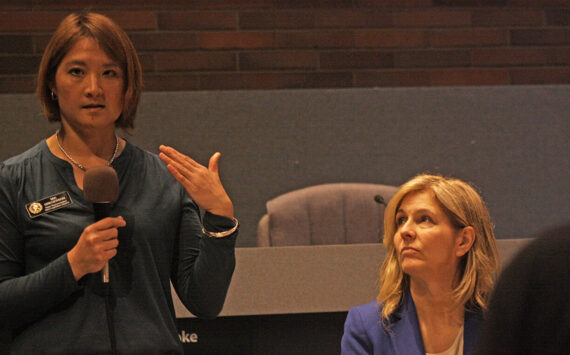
(48, 204)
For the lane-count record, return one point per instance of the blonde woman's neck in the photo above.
(439, 317)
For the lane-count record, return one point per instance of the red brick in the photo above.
(15, 84)
(48, 21)
(40, 42)
(315, 39)
(432, 58)
(345, 60)
(541, 3)
(134, 20)
(29, 21)
(232, 4)
(74, 5)
(147, 62)
(170, 82)
(164, 41)
(546, 75)
(392, 3)
(391, 38)
(142, 41)
(458, 77)
(352, 18)
(198, 20)
(182, 61)
(470, 3)
(243, 81)
(153, 4)
(16, 44)
(540, 37)
(274, 80)
(293, 19)
(352, 34)
(507, 17)
(391, 78)
(558, 56)
(234, 81)
(432, 18)
(558, 17)
(278, 60)
(16, 5)
(231, 40)
(509, 56)
(313, 4)
(469, 37)
(19, 64)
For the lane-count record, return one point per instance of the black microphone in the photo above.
(101, 187)
(380, 200)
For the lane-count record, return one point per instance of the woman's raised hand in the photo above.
(202, 184)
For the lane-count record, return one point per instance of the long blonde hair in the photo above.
(464, 207)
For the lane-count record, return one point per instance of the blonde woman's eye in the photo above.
(400, 221)
(425, 219)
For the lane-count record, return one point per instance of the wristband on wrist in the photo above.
(224, 233)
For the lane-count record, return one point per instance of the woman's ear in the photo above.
(465, 240)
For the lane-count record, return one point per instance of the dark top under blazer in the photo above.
(365, 334)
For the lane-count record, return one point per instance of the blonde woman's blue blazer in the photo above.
(365, 334)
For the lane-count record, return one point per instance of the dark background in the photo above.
(509, 141)
(310, 333)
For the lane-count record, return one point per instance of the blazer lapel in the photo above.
(404, 330)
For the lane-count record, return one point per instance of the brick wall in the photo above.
(272, 44)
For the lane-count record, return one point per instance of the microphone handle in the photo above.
(103, 210)
(105, 273)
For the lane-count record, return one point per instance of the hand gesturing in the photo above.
(202, 184)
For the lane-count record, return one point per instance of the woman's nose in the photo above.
(407, 230)
(93, 87)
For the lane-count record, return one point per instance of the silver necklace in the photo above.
(79, 165)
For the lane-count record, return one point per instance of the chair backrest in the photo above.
(339, 213)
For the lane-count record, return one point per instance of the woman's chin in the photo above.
(411, 267)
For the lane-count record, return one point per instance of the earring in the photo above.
(53, 96)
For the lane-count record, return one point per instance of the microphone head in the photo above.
(101, 184)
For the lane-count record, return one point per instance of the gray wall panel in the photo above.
(511, 142)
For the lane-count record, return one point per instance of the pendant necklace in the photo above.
(78, 164)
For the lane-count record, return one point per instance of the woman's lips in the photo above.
(93, 108)
(408, 251)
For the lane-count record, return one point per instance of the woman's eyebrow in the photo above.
(83, 63)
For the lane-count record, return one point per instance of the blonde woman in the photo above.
(437, 275)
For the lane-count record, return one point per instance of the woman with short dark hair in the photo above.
(51, 251)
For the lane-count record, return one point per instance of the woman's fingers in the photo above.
(106, 223)
(214, 163)
(96, 245)
(175, 156)
(202, 183)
